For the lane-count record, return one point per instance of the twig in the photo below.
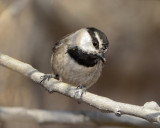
(72, 117)
(150, 111)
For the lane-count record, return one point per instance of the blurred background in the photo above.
(29, 29)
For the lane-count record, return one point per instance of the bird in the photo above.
(78, 58)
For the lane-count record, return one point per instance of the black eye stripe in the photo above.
(102, 36)
(94, 39)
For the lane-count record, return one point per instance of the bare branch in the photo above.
(150, 111)
(72, 117)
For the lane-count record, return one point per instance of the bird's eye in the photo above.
(95, 44)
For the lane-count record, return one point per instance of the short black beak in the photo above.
(102, 57)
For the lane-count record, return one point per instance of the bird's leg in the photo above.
(83, 90)
(48, 76)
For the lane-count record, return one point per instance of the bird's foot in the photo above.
(80, 89)
(48, 76)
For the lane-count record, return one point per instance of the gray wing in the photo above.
(57, 45)
(60, 43)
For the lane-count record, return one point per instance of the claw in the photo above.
(83, 89)
(50, 91)
(46, 76)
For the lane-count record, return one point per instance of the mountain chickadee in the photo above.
(78, 58)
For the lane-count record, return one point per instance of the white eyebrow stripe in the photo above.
(85, 42)
(99, 40)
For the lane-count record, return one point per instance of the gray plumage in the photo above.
(78, 58)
